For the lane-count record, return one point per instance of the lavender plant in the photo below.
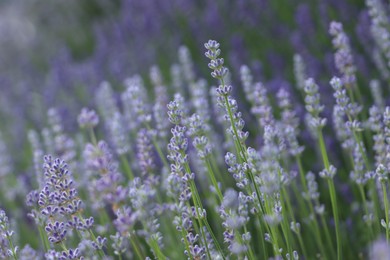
(173, 167)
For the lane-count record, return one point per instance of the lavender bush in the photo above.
(171, 163)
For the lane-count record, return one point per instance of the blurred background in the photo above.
(56, 53)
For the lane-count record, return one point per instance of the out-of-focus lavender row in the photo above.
(131, 36)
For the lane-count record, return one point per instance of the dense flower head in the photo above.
(313, 106)
(343, 57)
(59, 192)
(103, 177)
(87, 118)
(216, 64)
(6, 246)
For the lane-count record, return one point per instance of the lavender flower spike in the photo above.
(88, 118)
(343, 56)
(7, 248)
(313, 106)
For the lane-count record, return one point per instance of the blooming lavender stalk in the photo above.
(115, 123)
(186, 64)
(177, 78)
(227, 140)
(234, 117)
(376, 92)
(382, 175)
(350, 111)
(134, 99)
(289, 123)
(290, 127)
(59, 202)
(261, 106)
(199, 96)
(28, 253)
(386, 123)
(6, 168)
(88, 119)
(7, 248)
(379, 26)
(316, 123)
(143, 197)
(103, 177)
(139, 113)
(299, 72)
(64, 146)
(239, 136)
(160, 106)
(181, 178)
(353, 126)
(343, 56)
(381, 64)
(105, 101)
(178, 184)
(234, 212)
(225, 99)
(376, 125)
(247, 82)
(144, 154)
(273, 180)
(37, 149)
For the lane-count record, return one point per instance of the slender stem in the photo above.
(363, 195)
(313, 213)
(213, 179)
(156, 248)
(127, 167)
(386, 202)
(11, 245)
(93, 237)
(93, 136)
(136, 247)
(272, 229)
(332, 192)
(302, 245)
(265, 255)
(198, 204)
(45, 242)
(286, 208)
(157, 147)
(187, 244)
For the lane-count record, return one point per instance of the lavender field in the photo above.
(226, 129)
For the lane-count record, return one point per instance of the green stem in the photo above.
(213, 179)
(93, 136)
(363, 195)
(93, 237)
(286, 208)
(136, 247)
(386, 201)
(336, 216)
(313, 213)
(263, 248)
(11, 245)
(272, 229)
(44, 239)
(157, 147)
(127, 167)
(302, 245)
(157, 250)
(332, 191)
